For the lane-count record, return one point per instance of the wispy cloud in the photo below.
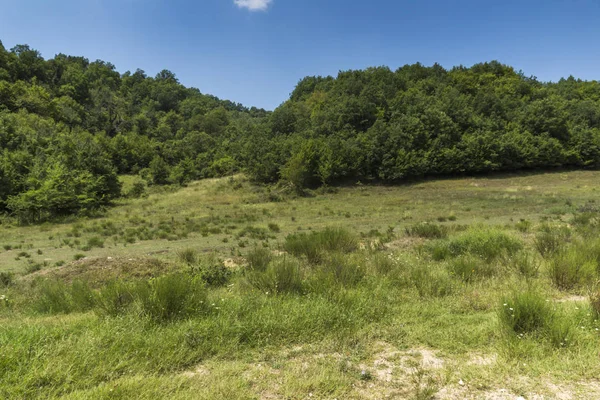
(253, 5)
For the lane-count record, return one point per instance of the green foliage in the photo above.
(171, 297)
(529, 313)
(525, 312)
(487, 244)
(470, 267)
(572, 268)
(314, 244)
(116, 297)
(431, 281)
(283, 275)
(427, 230)
(551, 239)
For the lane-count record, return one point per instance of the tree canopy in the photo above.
(69, 126)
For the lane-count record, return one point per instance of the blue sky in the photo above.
(255, 51)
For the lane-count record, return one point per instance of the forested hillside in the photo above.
(69, 126)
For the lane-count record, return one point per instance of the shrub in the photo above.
(188, 256)
(259, 258)
(78, 256)
(82, 296)
(551, 239)
(33, 267)
(274, 227)
(338, 269)
(487, 244)
(171, 297)
(431, 281)
(115, 298)
(52, 298)
(6, 279)
(525, 264)
(523, 225)
(95, 241)
(427, 230)
(212, 271)
(529, 313)
(382, 263)
(525, 312)
(469, 268)
(282, 275)
(571, 268)
(314, 244)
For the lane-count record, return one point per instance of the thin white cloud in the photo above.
(253, 5)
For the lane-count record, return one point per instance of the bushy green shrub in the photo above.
(487, 244)
(427, 230)
(174, 296)
(529, 313)
(339, 269)
(572, 268)
(188, 256)
(53, 297)
(313, 245)
(6, 279)
(525, 264)
(282, 275)
(550, 239)
(470, 267)
(115, 298)
(431, 281)
(95, 241)
(259, 258)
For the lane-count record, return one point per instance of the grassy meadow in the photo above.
(480, 287)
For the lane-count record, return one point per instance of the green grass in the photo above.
(214, 292)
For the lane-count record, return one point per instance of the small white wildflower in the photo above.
(511, 309)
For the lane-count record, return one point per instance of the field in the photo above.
(480, 287)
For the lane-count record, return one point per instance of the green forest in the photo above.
(69, 127)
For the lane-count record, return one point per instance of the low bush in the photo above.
(572, 268)
(550, 239)
(188, 256)
(259, 258)
(487, 244)
(313, 245)
(6, 279)
(339, 269)
(525, 264)
(431, 281)
(95, 241)
(529, 313)
(427, 230)
(469, 268)
(282, 275)
(170, 297)
(115, 298)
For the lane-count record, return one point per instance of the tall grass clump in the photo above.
(171, 297)
(6, 279)
(427, 230)
(487, 244)
(529, 313)
(431, 281)
(313, 245)
(525, 264)
(572, 268)
(337, 270)
(469, 268)
(259, 258)
(282, 275)
(53, 298)
(551, 239)
(115, 298)
(188, 256)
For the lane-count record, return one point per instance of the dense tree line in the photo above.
(69, 126)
